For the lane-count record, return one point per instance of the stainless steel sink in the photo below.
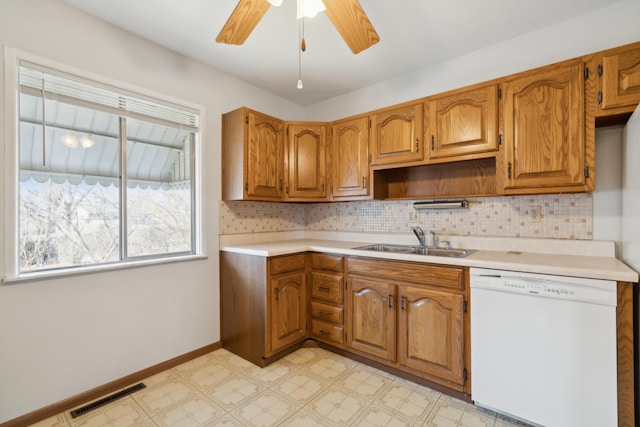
(417, 250)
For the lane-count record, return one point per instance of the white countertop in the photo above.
(564, 264)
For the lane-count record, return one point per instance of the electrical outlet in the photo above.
(534, 213)
(413, 216)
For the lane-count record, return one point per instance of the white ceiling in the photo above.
(413, 33)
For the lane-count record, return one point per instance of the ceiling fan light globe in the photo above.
(275, 3)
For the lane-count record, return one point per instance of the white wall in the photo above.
(613, 26)
(61, 337)
(607, 198)
(631, 193)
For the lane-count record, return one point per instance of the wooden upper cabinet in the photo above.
(463, 122)
(350, 149)
(619, 73)
(544, 129)
(397, 134)
(430, 332)
(252, 156)
(307, 161)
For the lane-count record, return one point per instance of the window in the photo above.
(104, 175)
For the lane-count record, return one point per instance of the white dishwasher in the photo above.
(543, 348)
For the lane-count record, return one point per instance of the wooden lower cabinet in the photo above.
(431, 333)
(371, 318)
(415, 323)
(327, 298)
(263, 305)
(287, 309)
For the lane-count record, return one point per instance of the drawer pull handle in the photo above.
(323, 332)
(324, 314)
(324, 289)
(390, 301)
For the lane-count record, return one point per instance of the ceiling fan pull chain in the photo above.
(303, 47)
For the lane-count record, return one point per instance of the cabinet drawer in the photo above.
(415, 272)
(326, 262)
(327, 331)
(326, 312)
(327, 287)
(288, 263)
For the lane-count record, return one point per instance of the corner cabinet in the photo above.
(397, 134)
(463, 122)
(263, 305)
(544, 130)
(252, 156)
(307, 162)
(411, 316)
(350, 159)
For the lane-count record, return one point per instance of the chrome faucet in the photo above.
(434, 239)
(420, 235)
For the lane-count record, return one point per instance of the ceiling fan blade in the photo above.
(352, 24)
(242, 21)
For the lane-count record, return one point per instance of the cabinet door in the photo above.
(287, 310)
(372, 318)
(307, 161)
(620, 79)
(463, 122)
(544, 127)
(351, 158)
(396, 135)
(264, 160)
(430, 333)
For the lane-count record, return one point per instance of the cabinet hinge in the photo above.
(599, 97)
(586, 73)
(600, 70)
(499, 93)
(246, 119)
(586, 171)
(464, 306)
(464, 374)
(500, 139)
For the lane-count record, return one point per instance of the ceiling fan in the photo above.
(346, 15)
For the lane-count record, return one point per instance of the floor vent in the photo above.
(108, 399)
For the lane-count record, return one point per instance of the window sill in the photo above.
(76, 271)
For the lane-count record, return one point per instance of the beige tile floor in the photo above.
(311, 387)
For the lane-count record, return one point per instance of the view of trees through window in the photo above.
(97, 185)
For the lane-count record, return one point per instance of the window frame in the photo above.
(11, 271)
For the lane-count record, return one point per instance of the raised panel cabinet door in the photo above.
(396, 135)
(372, 317)
(430, 332)
(620, 80)
(351, 158)
(265, 157)
(287, 310)
(307, 161)
(544, 127)
(463, 123)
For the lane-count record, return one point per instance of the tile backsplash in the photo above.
(563, 216)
